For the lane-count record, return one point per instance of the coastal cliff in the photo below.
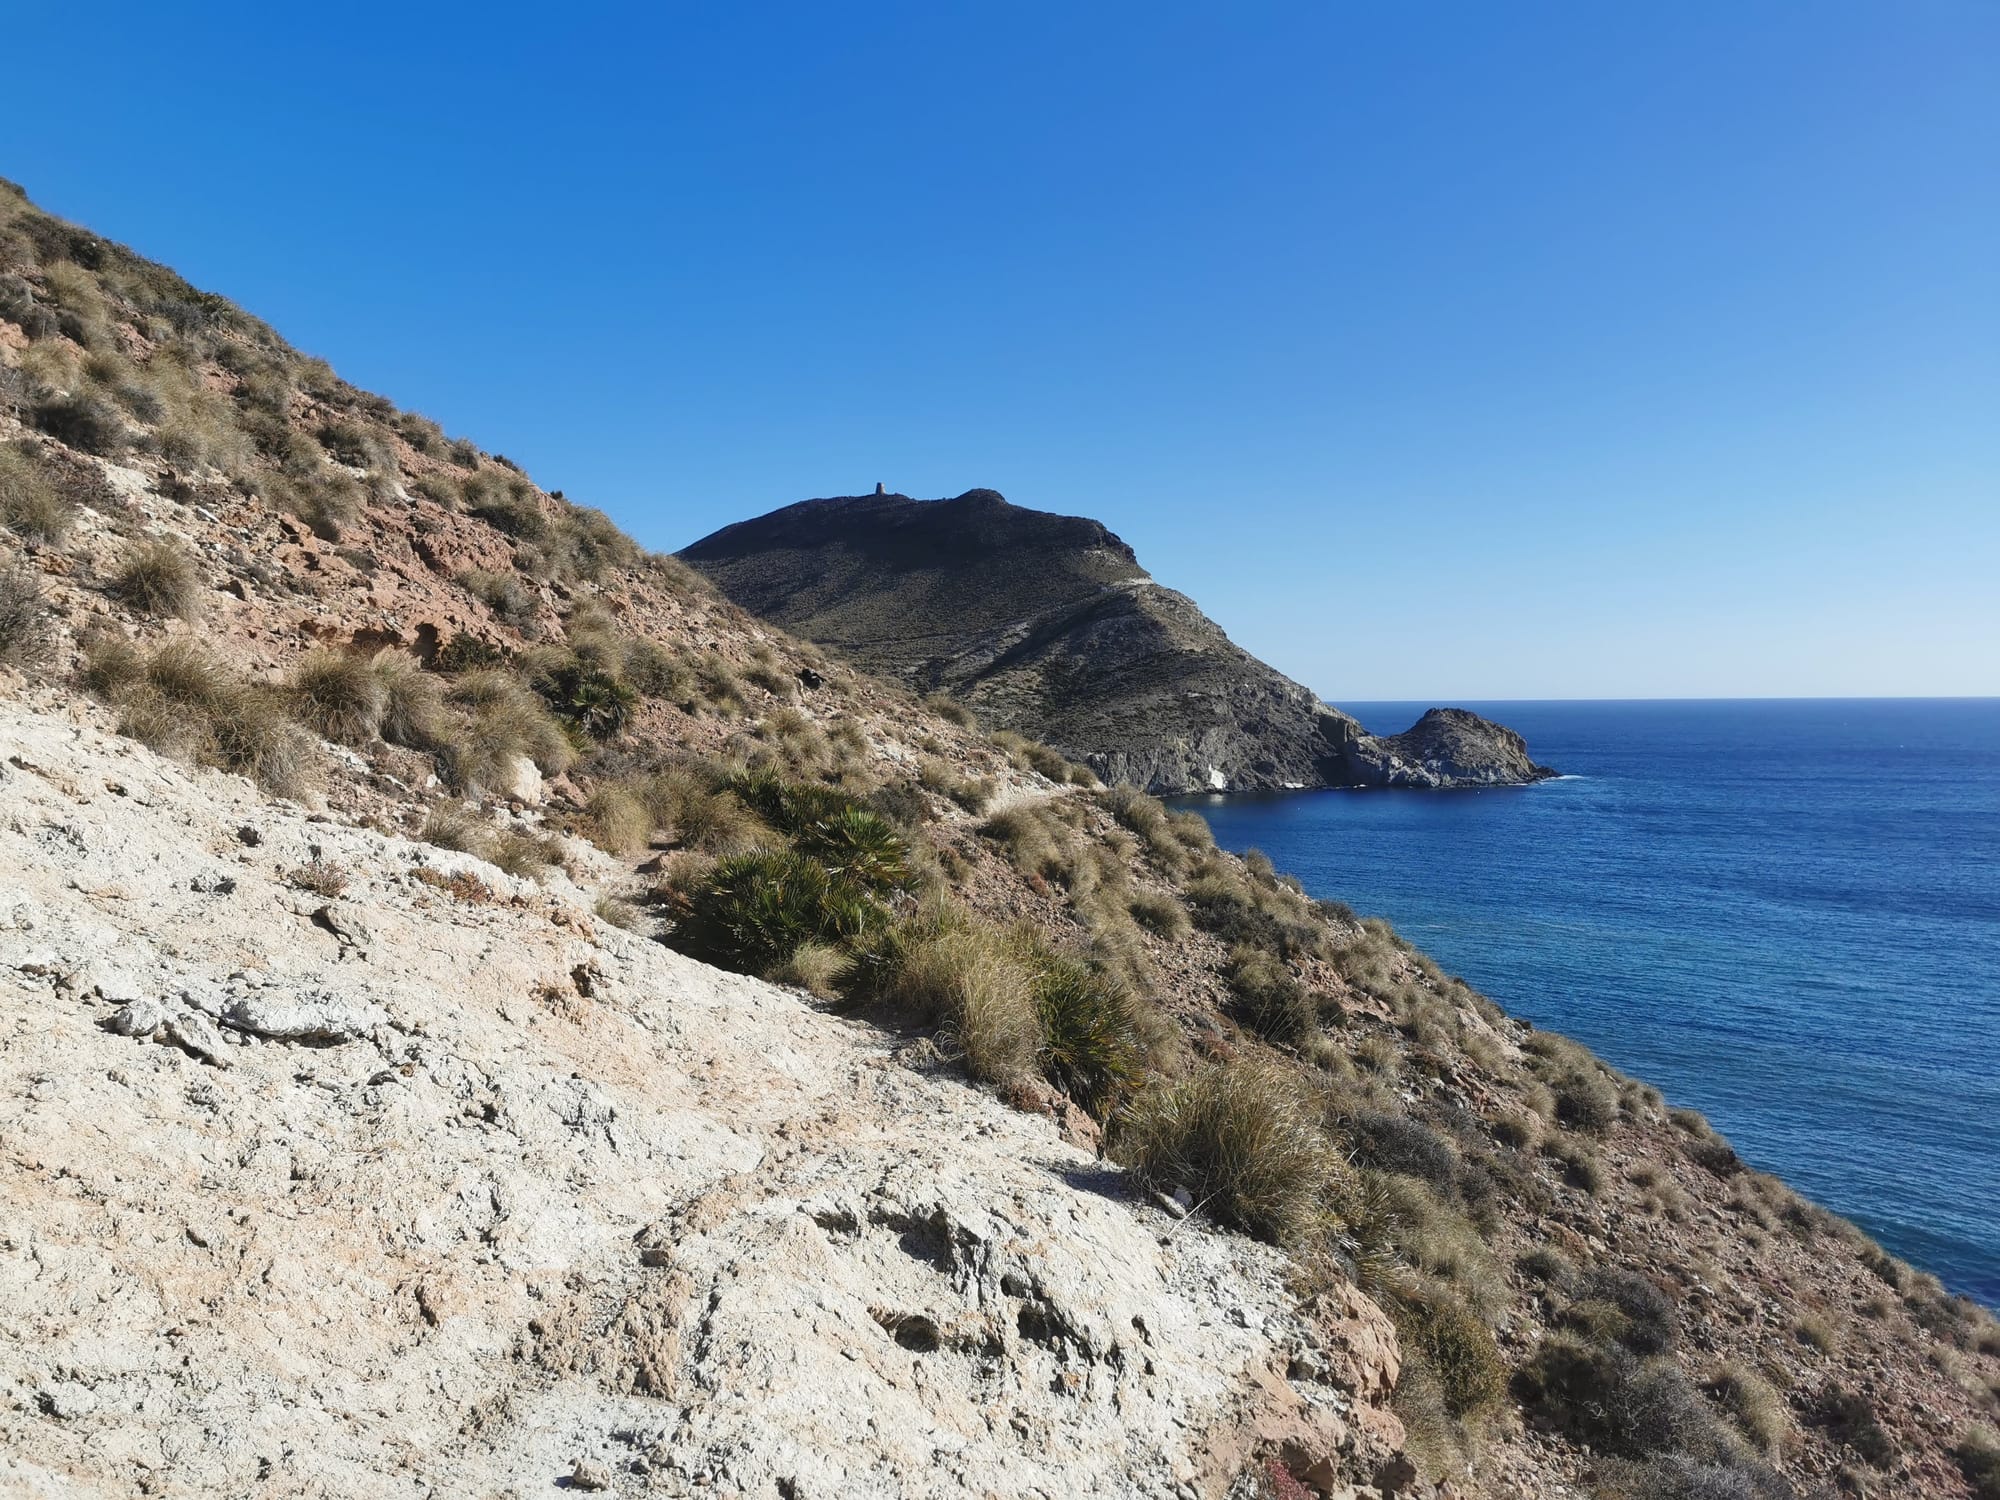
(485, 1014)
(1047, 625)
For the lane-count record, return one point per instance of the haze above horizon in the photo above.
(1464, 353)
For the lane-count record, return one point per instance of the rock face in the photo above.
(1047, 625)
(502, 1200)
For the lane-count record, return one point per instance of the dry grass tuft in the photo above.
(157, 579)
(338, 695)
(24, 618)
(1242, 1140)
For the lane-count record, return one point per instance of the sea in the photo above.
(1783, 913)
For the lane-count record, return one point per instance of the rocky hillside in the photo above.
(484, 1014)
(1047, 626)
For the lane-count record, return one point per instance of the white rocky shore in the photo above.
(406, 1192)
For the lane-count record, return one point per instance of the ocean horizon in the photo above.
(1784, 913)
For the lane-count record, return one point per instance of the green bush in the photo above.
(592, 702)
(858, 844)
(1089, 1031)
(755, 910)
(1242, 1141)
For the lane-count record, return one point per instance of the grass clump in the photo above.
(617, 820)
(338, 695)
(1159, 914)
(1753, 1407)
(157, 579)
(183, 702)
(32, 505)
(1270, 998)
(1456, 1347)
(1240, 1139)
(513, 603)
(24, 618)
(503, 722)
(413, 711)
(1978, 1456)
(939, 967)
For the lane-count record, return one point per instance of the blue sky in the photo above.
(1439, 350)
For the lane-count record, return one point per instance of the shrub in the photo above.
(1238, 1137)
(1396, 1143)
(337, 694)
(157, 579)
(1605, 1396)
(1978, 1455)
(1089, 1031)
(1623, 1307)
(24, 618)
(1455, 1344)
(755, 910)
(83, 420)
(32, 505)
(1847, 1418)
(318, 877)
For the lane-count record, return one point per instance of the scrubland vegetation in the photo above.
(1255, 1058)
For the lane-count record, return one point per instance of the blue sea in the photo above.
(1785, 914)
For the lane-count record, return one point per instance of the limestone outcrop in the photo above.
(457, 1189)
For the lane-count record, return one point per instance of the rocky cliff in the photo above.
(1047, 625)
(482, 1014)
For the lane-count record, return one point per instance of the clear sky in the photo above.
(1439, 350)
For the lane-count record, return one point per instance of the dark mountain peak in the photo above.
(1030, 617)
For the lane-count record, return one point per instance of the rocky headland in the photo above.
(1047, 626)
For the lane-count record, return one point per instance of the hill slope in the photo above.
(376, 1113)
(1048, 626)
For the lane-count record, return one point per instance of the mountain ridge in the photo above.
(1049, 626)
